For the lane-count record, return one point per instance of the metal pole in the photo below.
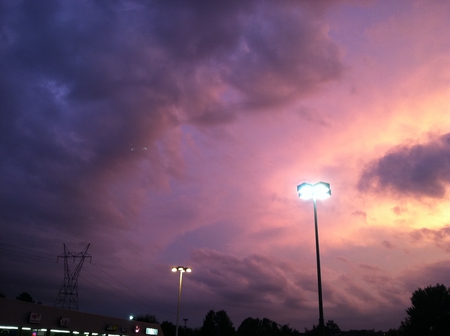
(179, 299)
(185, 320)
(319, 277)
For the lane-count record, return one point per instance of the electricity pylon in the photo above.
(68, 292)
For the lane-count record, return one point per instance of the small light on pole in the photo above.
(307, 191)
(181, 270)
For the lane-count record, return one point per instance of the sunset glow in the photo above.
(177, 132)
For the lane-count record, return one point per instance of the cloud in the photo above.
(84, 83)
(418, 171)
(363, 214)
(398, 210)
(258, 283)
(255, 275)
(387, 244)
(440, 237)
(425, 275)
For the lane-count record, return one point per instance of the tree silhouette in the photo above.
(147, 318)
(250, 326)
(24, 296)
(429, 314)
(168, 328)
(330, 329)
(217, 324)
(265, 327)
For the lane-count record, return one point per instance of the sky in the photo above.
(168, 133)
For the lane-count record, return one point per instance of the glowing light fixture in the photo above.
(320, 190)
(182, 269)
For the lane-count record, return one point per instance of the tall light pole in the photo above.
(181, 270)
(320, 190)
(185, 321)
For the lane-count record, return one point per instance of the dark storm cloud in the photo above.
(216, 275)
(264, 52)
(256, 279)
(420, 170)
(85, 82)
(256, 285)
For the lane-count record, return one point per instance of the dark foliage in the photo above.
(364, 332)
(168, 328)
(331, 329)
(217, 324)
(265, 327)
(429, 314)
(147, 318)
(24, 296)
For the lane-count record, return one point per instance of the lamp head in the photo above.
(181, 269)
(320, 190)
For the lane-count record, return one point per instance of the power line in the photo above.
(23, 248)
(20, 251)
(131, 290)
(133, 300)
(27, 254)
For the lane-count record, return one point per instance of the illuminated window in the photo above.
(151, 331)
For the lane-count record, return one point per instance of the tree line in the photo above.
(219, 324)
(429, 315)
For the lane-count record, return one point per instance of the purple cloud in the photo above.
(95, 100)
(85, 83)
(420, 170)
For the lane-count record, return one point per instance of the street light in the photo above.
(320, 190)
(180, 269)
(185, 321)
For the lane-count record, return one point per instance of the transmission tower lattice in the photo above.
(68, 292)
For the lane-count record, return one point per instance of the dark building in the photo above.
(18, 318)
